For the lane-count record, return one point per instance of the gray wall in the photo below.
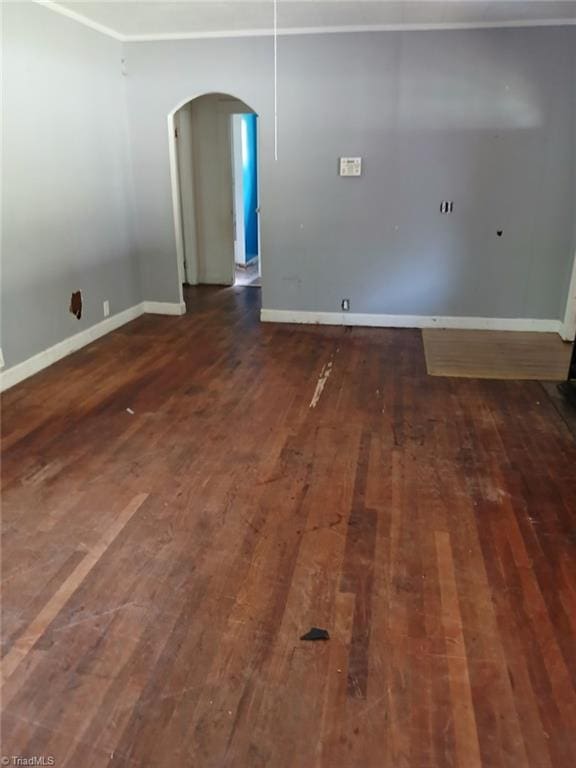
(66, 178)
(481, 117)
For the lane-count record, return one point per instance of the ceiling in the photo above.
(143, 20)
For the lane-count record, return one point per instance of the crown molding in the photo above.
(348, 29)
(167, 36)
(57, 8)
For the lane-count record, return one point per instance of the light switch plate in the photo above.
(350, 166)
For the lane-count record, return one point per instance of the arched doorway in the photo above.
(214, 166)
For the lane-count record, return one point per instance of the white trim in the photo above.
(166, 36)
(175, 190)
(327, 30)
(410, 321)
(164, 308)
(36, 363)
(275, 35)
(568, 331)
(81, 19)
(176, 204)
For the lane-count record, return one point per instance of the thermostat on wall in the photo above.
(350, 166)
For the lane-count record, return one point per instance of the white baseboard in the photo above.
(568, 332)
(36, 363)
(164, 308)
(17, 373)
(410, 321)
(21, 371)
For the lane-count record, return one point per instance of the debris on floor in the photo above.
(314, 633)
(322, 379)
(130, 411)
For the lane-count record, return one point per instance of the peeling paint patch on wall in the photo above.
(76, 304)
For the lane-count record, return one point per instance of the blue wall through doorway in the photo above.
(250, 184)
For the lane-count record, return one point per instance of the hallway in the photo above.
(247, 275)
(187, 496)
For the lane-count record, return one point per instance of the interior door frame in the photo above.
(228, 167)
(176, 199)
(568, 331)
(258, 194)
(175, 186)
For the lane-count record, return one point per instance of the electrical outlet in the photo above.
(106, 307)
(446, 206)
(345, 305)
(1, 358)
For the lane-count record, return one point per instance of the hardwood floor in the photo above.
(160, 563)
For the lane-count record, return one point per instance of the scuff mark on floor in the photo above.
(330, 525)
(321, 383)
(94, 615)
(43, 474)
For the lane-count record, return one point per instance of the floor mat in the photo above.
(496, 354)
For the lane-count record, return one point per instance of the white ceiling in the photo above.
(141, 20)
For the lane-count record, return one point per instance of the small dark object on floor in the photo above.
(316, 634)
(568, 389)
